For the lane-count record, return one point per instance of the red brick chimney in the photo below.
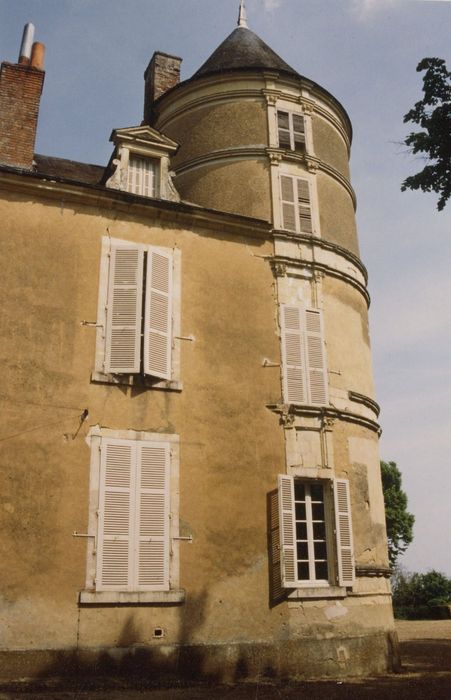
(162, 73)
(20, 93)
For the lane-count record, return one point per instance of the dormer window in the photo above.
(143, 176)
(140, 163)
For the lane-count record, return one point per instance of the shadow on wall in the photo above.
(152, 665)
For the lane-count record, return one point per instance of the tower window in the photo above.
(291, 131)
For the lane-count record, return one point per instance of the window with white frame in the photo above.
(143, 176)
(291, 131)
(296, 204)
(133, 514)
(304, 368)
(315, 533)
(138, 311)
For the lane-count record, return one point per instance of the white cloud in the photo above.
(364, 9)
(271, 5)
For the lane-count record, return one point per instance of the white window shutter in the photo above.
(124, 309)
(152, 517)
(141, 176)
(304, 206)
(288, 202)
(287, 530)
(158, 314)
(116, 516)
(283, 127)
(293, 362)
(316, 360)
(298, 132)
(345, 551)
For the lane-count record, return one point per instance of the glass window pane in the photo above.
(316, 491)
(302, 550)
(320, 550)
(301, 531)
(300, 511)
(299, 491)
(303, 571)
(318, 511)
(319, 531)
(321, 570)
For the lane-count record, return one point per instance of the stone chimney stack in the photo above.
(20, 94)
(162, 73)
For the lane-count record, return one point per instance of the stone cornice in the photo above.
(324, 412)
(180, 214)
(298, 84)
(274, 155)
(372, 570)
(315, 266)
(365, 401)
(322, 243)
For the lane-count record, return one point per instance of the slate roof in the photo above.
(84, 173)
(240, 51)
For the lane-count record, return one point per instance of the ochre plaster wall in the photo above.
(336, 211)
(329, 145)
(217, 126)
(238, 186)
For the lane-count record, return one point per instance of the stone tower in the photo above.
(259, 139)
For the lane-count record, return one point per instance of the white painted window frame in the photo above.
(303, 366)
(170, 593)
(338, 578)
(291, 130)
(99, 373)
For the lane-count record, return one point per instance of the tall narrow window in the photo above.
(138, 331)
(296, 204)
(291, 131)
(133, 516)
(304, 367)
(306, 526)
(142, 176)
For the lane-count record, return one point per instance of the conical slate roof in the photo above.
(240, 51)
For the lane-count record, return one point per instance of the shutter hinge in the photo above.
(184, 539)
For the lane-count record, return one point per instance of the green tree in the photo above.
(433, 115)
(399, 521)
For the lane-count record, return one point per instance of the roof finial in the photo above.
(242, 17)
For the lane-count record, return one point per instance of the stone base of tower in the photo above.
(303, 659)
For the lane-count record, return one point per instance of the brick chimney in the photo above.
(162, 73)
(20, 93)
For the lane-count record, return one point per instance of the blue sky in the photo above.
(363, 51)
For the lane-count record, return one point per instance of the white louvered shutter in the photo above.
(141, 176)
(293, 362)
(298, 132)
(276, 589)
(345, 552)
(283, 128)
(158, 314)
(316, 360)
(124, 308)
(152, 517)
(287, 530)
(288, 202)
(116, 516)
(304, 206)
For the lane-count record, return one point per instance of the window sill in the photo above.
(136, 380)
(326, 592)
(175, 597)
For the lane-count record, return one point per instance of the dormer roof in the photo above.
(243, 50)
(144, 136)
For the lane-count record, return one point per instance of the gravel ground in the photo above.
(426, 653)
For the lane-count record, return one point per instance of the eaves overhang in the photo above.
(180, 213)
